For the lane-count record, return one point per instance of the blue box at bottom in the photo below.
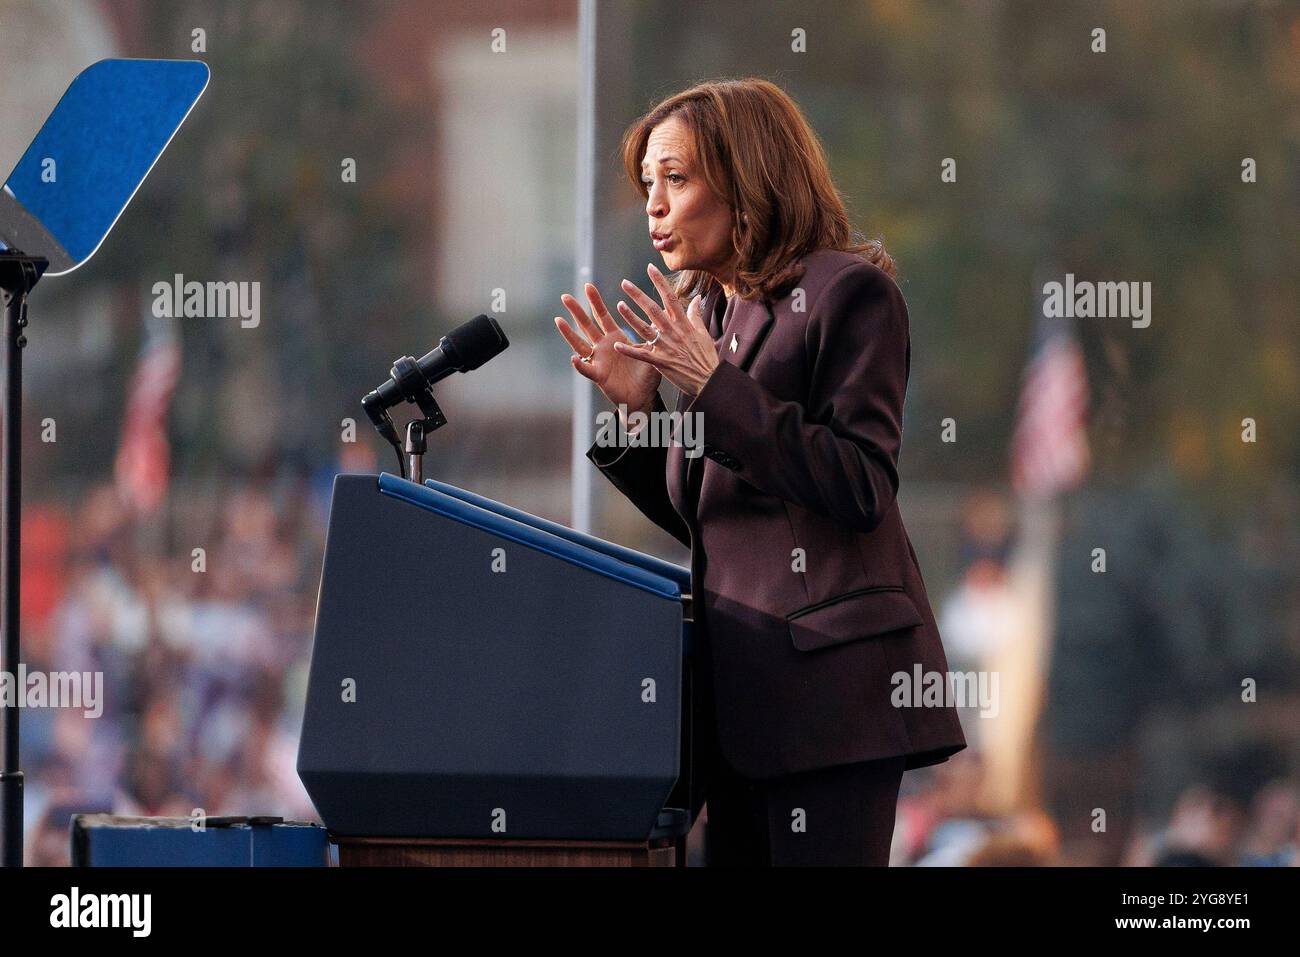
(107, 840)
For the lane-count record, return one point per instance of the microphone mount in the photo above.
(413, 386)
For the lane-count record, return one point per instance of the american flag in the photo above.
(142, 468)
(1049, 448)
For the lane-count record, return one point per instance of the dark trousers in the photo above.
(837, 816)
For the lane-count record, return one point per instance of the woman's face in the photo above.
(689, 225)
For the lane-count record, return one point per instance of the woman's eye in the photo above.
(672, 177)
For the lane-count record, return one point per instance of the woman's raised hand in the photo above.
(678, 344)
(623, 379)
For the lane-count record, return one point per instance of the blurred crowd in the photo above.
(200, 622)
(940, 823)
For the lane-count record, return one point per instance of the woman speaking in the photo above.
(821, 657)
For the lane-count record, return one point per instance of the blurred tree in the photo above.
(1123, 165)
(252, 189)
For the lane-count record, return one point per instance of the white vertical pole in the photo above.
(585, 195)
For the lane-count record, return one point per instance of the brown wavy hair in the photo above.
(757, 152)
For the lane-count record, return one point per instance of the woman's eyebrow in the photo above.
(670, 158)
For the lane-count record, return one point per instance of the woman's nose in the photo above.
(654, 205)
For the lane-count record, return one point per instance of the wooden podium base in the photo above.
(474, 852)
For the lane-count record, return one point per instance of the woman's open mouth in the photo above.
(662, 242)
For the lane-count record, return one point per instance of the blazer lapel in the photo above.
(677, 461)
(749, 326)
(750, 323)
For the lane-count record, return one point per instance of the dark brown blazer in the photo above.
(806, 584)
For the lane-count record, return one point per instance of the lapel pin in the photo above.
(733, 342)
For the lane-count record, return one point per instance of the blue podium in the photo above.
(487, 686)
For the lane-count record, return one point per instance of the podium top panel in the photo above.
(529, 535)
(624, 554)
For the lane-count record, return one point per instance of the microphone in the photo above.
(464, 349)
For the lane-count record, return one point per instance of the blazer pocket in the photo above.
(857, 614)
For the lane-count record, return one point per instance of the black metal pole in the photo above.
(18, 274)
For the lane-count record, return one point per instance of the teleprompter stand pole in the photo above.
(18, 274)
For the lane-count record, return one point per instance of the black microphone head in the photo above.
(474, 343)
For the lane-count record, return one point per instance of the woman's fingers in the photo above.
(651, 308)
(600, 309)
(662, 326)
(578, 344)
(641, 351)
(589, 328)
(583, 368)
(663, 331)
(670, 304)
(695, 313)
(639, 325)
